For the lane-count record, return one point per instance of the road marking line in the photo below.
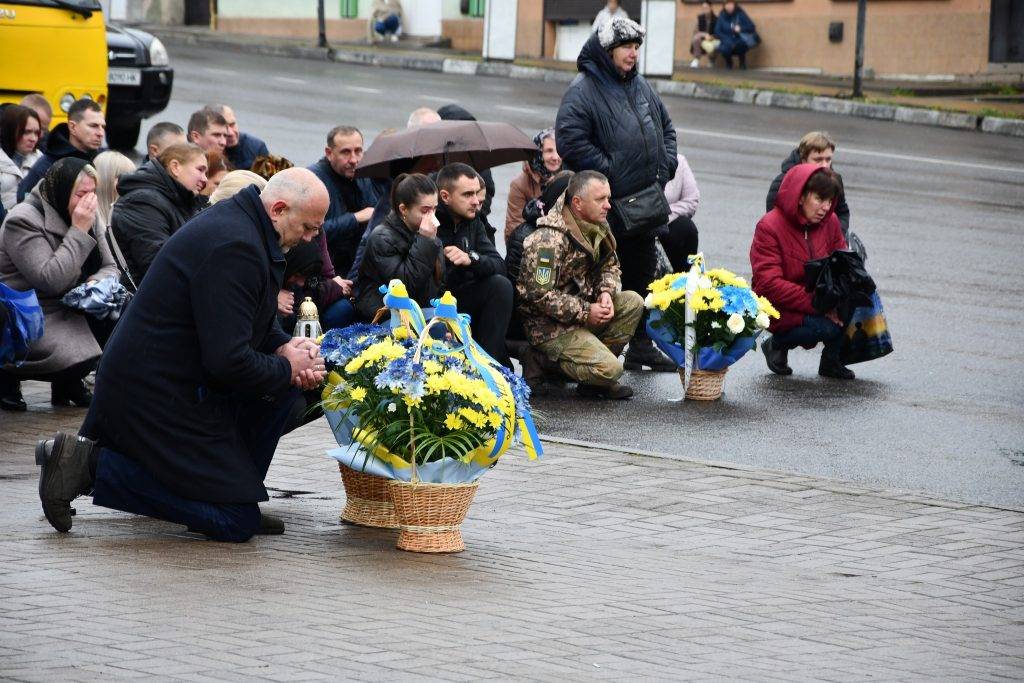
(370, 91)
(520, 110)
(436, 98)
(288, 79)
(854, 150)
(224, 72)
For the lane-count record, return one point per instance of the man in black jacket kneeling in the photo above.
(474, 270)
(198, 381)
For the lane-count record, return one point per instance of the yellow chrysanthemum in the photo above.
(663, 283)
(433, 367)
(453, 421)
(766, 306)
(357, 393)
(411, 402)
(726, 277)
(400, 333)
(474, 417)
(707, 300)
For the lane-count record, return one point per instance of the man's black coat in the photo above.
(193, 347)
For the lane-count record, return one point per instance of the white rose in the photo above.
(735, 323)
(762, 320)
(392, 407)
(649, 300)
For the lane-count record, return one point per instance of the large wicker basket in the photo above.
(366, 500)
(429, 515)
(704, 385)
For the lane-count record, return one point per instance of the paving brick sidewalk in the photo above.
(588, 565)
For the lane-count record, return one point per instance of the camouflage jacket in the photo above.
(560, 277)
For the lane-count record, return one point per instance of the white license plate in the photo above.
(120, 76)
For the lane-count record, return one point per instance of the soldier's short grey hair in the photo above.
(580, 182)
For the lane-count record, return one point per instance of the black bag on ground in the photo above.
(639, 213)
(839, 282)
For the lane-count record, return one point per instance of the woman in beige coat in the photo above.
(51, 243)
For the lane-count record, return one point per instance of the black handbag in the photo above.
(639, 213)
(838, 282)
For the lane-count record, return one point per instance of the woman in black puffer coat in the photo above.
(612, 121)
(155, 201)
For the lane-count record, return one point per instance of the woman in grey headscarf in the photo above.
(535, 176)
(52, 242)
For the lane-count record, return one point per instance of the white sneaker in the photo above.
(394, 38)
(695, 64)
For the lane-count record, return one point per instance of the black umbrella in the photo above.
(480, 144)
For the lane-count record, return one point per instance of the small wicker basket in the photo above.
(429, 515)
(704, 385)
(366, 500)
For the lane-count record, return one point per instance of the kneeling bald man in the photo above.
(198, 381)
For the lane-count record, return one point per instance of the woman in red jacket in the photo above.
(802, 227)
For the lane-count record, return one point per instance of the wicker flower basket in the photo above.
(704, 385)
(429, 515)
(366, 500)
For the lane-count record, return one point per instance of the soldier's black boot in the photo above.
(777, 359)
(65, 473)
(642, 353)
(614, 391)
(831, 366)
(533, 371)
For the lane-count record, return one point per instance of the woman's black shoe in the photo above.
(830, 366)
(13, 402)
(73, 393)
(777, 359)
(10, 394)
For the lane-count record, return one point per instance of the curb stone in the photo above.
(761, 98)
(1000, 126)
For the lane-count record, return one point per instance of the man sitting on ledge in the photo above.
(570, 300)
(198, 382)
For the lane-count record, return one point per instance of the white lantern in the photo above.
(309, 321)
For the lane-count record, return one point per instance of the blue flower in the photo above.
(403, 375)
(339, 346)
(738, 300)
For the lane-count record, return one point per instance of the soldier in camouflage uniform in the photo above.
(569, 291)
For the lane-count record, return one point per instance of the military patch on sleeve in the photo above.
(543, 276)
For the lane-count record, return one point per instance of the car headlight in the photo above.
(158, 53)
(66, 100)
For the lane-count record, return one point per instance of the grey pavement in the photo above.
(586, 565)
(940, 212)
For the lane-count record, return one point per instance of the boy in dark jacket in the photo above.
(474, 270)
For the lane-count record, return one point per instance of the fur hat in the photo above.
(620, 31)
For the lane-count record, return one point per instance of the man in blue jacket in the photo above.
(198, 382)
(352, 199)
(242, 148)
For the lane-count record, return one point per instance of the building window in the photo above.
(349, 9)
(475, 8)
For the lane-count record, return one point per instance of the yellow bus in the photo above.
(54, 47)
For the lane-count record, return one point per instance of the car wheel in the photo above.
(123, 135)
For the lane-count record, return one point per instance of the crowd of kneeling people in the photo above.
(566, 300)
(220, 240)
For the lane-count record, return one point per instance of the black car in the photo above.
(139, 83)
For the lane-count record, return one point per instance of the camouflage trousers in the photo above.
(591, 355)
